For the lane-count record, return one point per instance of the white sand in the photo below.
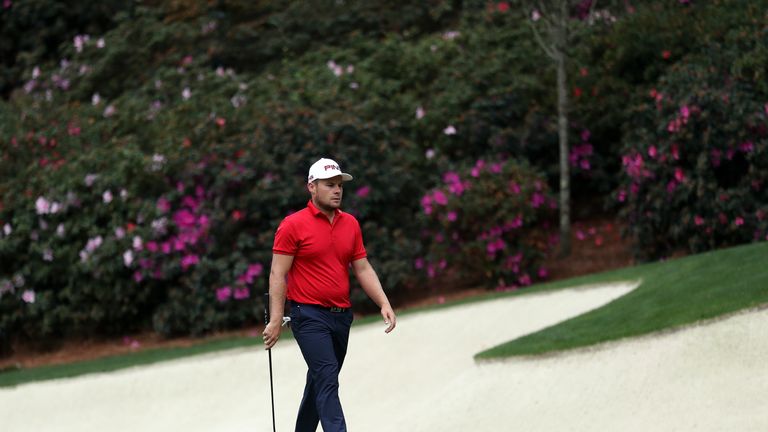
(422, 377)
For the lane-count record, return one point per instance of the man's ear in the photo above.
(311, 187)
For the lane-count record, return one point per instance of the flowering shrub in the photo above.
(147, 164)
(694, 173)
(487, 222)
(66, 244)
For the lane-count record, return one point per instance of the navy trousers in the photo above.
(322, 336)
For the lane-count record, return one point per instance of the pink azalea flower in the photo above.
(716, 155)
(254, 270)
(190, 202)
(426, 204)
(747, 146)
(675, 151)
(671, 186)
(685, 111)
(203, 221)
(698, 220)
(28, 296)
(517, 222)
(184, 218)
(452, 216)
(418, 263)
(739, 221)
(679, 175)
(163, 205)
(363, 191)
(223, 294)
(537, 200)
(42, 206)
(189, 260)
(451, 177)
(128, 258)
(440, 197)
(242, 293)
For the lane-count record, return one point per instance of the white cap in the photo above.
(326, 168)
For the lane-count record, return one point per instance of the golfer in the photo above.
(311, 258)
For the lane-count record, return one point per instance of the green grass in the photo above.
(15, 376)
(673, 293)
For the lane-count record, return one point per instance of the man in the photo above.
(314, 249)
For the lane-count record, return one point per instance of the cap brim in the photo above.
(344, 176)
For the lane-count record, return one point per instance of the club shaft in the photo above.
(272, 390)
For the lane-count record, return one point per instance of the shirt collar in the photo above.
(315, 211)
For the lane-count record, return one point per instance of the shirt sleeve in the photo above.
(359, 251)
(286, 242)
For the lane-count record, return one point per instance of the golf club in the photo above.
(271, 385)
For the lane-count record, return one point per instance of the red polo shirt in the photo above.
(322, 254)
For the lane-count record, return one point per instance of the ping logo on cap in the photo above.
(326, 168)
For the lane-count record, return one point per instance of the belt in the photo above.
(334, 309)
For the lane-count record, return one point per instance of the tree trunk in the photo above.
(562, 128)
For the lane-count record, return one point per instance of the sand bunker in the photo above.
(422, 377)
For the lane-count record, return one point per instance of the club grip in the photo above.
(266, 308)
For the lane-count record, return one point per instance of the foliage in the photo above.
(487, 224)
(31, 31)
(694, 162)
(169, 140)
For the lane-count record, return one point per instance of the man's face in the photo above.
(326, 193)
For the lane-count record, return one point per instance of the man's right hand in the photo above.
(271, 334)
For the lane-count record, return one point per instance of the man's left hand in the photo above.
(389, 318)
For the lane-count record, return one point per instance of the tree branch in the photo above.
(551, 53)
(591, 15)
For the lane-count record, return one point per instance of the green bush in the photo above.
(488, 224)
(695, 164)
(31, 32)
(200, 120)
